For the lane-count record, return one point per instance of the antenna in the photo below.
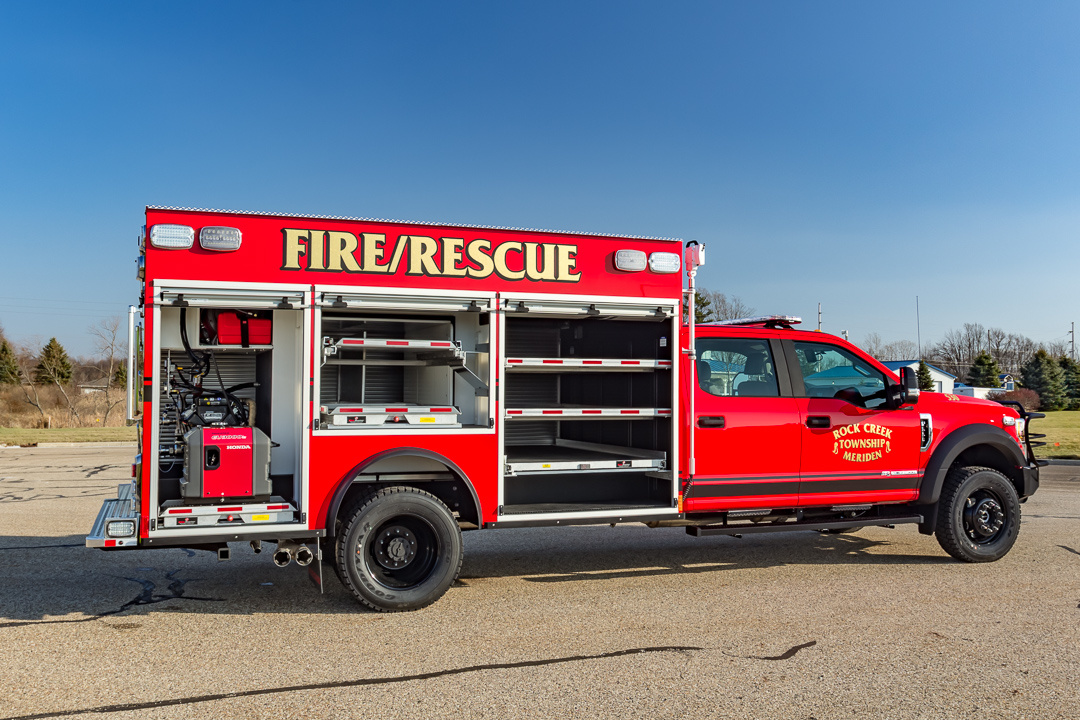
(918, 326)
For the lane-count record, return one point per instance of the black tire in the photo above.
(399, 549)
(978, 514)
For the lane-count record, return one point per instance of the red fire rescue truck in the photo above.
(364, 390)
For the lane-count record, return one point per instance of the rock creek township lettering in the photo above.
(874, 440)
(418, 255)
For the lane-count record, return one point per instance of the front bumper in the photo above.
(1031, 480)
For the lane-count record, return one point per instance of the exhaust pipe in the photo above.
(304, 556)
(256, 545)
(283, 556)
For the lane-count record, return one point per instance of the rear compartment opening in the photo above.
(229, 420)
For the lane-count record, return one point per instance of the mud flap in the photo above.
(315, 569)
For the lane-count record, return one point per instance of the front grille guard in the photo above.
(1028, 435)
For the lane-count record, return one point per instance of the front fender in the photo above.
(981, 435)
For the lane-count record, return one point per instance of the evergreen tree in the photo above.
(54, 365)
(984, 372)
(1044, 376)
(119, 377)
(1070, 370)
(926, 381)
(9, 371)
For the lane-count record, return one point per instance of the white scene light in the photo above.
(220, 239)
(172, 237)
(630, 260)
(665, 262)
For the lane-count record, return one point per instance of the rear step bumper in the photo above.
(115, 515)
(705, 530)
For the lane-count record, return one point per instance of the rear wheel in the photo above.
(399, 549)
(979, 514)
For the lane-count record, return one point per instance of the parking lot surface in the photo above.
(562, 622)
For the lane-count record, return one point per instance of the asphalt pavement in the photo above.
(556, 622)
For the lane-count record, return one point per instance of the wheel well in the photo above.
(991, 457)
(421, 469)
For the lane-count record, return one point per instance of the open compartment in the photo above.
(403, 371)
(228, 427)
(588, 414)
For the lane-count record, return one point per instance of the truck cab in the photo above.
(790, 427)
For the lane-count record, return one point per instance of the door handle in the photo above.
(822, 422)
(710, 421)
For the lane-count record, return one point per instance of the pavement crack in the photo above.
(147, 596)
(128, 707)
(786, 655)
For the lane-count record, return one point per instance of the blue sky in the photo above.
(850, 153)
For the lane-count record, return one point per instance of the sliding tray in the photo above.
(573, 455)
(352, 415)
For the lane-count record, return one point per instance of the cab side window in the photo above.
(736, 367)
(833, 372)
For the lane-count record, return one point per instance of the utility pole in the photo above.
(819, 317)
(1072, 338)
(843, 334)
(918, 327)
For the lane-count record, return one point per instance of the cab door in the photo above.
(746, 427)
(854, 448)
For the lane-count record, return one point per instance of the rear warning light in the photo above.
(172, 237)
(219, 239)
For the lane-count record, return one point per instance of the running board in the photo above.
(704, 530)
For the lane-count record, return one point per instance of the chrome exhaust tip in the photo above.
(304, 556)
(282, 557)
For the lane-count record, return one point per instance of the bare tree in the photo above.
(726, 307)
(54, 372)
(26, 362)
(877, 348)
(107, 343)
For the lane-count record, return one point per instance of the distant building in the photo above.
(943, 382)
(1008, 384)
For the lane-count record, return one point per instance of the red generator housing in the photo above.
(226, 462)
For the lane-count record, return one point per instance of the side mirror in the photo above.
(909, 386)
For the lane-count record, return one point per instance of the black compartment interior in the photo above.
(595, 490)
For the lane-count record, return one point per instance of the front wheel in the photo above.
(399, 549)
(979, 514)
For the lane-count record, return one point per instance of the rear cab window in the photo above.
(736, 367)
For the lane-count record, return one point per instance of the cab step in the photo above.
(743, 528)
(117, 523)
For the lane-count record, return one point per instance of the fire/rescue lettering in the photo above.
(337, 251)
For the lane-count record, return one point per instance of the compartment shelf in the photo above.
(579, 456)
(346, 415)
(576, 412)
(544, 364)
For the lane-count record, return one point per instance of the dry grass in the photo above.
(31, 436)
(1062, 429)
(16, 412)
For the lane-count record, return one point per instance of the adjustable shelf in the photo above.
(570, 412)
(544, 364)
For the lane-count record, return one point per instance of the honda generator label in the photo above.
(418, 255)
